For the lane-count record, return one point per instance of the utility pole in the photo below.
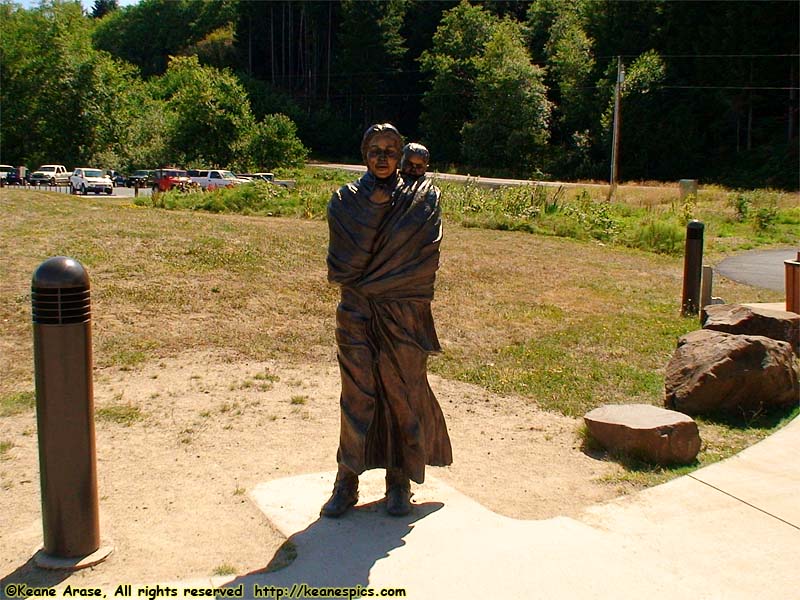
(615, 136)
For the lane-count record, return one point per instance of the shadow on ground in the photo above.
(32, 576)
(336, 553)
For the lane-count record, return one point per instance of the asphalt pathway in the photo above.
(759, 268)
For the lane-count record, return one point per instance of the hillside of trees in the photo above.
(522, 88)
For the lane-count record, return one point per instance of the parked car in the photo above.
(18, 176)
(171, 178)
(85, 180)
(266, 176)
(50, 175)
(117, 178)
(211, 179)
(140, 178)
(4, 171)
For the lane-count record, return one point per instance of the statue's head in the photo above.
(415, 160)
(381, 148)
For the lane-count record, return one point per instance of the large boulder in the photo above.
(713, 372)
(752, 319)
(655, 434)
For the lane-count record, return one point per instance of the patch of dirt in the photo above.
(173, 484)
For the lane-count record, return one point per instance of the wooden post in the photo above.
(792, 279)
(615, 131)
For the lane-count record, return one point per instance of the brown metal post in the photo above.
(692, 268)
(65, 408)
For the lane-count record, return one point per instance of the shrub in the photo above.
(742, 203)
(657, 236)
(594, 217)
(765, 217)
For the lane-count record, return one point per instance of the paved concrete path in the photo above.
(731, 530)
(759, 268)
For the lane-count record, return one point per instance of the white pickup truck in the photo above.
(50, 175)
(211, 179)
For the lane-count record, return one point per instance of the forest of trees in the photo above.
(523, 88)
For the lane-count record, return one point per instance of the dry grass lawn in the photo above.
(215, 370)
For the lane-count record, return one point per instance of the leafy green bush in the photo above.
(742, 202)
(594, 217)
(765, 217)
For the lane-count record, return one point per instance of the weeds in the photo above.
(121, 414)
(532, 208)
(742, 202)
(5, 446)
(17, 402)
(765, 218)
(224, 569)
(657, 236)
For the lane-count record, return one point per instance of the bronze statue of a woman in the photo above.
(384, 253)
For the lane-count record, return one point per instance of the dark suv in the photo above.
(141, 178)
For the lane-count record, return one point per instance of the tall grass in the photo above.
(649, 219)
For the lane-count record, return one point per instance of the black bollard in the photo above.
(692, 268)
(61, 306)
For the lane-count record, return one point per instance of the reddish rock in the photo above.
(713, 372)
(752, 319)
(656, 434)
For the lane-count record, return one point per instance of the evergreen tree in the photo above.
(369, 59)
(102, 7)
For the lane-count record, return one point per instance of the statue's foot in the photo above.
(398, 493)
(344, 496)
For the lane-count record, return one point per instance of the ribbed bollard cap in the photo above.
(60, 292)
(60, 272)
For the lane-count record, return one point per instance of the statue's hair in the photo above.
(413, 148)
(378, 129)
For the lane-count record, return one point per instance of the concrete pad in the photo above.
(690, 538)
(766, 475)
(58, 563)
(774, 306)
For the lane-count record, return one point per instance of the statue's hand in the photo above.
(380, 195)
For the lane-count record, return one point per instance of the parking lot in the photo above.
(119, 192)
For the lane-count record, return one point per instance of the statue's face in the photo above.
(383, 154)
(415, 165)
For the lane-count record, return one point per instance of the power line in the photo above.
(723, 87)
(707, 56)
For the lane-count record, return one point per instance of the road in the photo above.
(759, 268)
(491, 182)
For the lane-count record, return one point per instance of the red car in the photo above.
(171, 178)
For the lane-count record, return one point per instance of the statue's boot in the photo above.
(345, 494)
(398, 493)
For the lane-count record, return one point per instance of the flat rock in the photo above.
(752, 319)
(713, 373)
(656, 434)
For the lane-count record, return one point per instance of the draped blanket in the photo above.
(385, 257)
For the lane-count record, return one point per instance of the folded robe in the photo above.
(385, 257)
